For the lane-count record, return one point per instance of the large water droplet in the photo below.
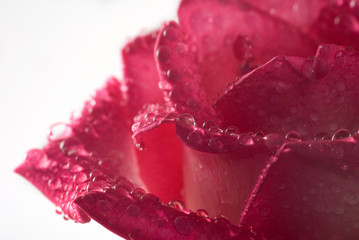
(163, 54)
(293, 136)
(173, 75)
(54, 183)
(170, 34)
(273, 141)
(341, 134)
(186, 119)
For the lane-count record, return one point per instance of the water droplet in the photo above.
(80, 177)
(54, 183)
(74, 168)
(138, 192)
(194, 137)
(178, 204)
(173, 75)
(126, 185)
(134, 211)
(209, 124)
(341, 134)
(273, 141)
(170, 34)
(245, 139)
(293, 136)
(37, 158)
(202, 213)
(232, 130)
(135, 235)
(186, 119)
(183, 225)
(163, 54)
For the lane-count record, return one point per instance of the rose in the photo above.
(307, 188)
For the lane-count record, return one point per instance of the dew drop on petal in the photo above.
(202, 213)
(186, 119)
(170, 34)
(293, 136)
(54, 183)
(138, 192)
(341, 134)
(163, 54)
(173, 75)
(273, 141)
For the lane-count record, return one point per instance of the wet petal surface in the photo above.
(309, 96)
(140, 74)
(310, 191)
(230, 38)
(90, 154)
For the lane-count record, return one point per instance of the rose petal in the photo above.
(338, 23)
(300, 13)
(140, 73)
(308, 96)
(141, 216)
(160, 153)
(310, 191)
(180, 79)
(90, 155)
(230, 38)
(220, 174)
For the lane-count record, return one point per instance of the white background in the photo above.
(53, 55)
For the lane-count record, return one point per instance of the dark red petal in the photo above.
(310, 191)
(160, 153)
(300, 13)
(93, 151)
(338, 23)
(308, 96)
(220, 167)
(230, 38)
(140, 73)
(141, 216)
(179, 73)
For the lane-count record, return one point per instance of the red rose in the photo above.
(230, 115)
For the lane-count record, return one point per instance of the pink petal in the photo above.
(179, 73)
(141, 216)
(161, 153)
(338, 23)
(309, 96)
(300, 13)
(140, 73)
(220, 166)
(230, 38)
(309, 191)
(90, 155)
